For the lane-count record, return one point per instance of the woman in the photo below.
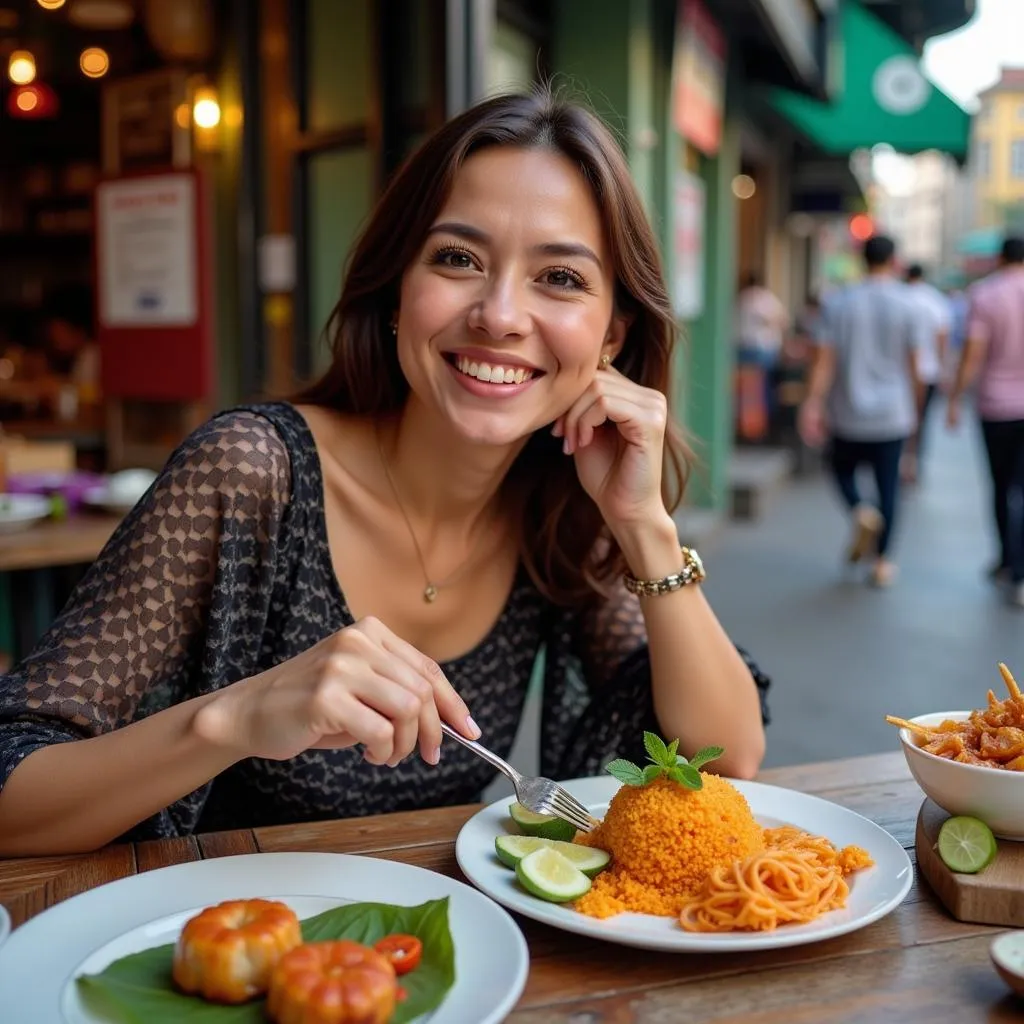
(309, 588)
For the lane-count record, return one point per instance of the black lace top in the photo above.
(223, 570)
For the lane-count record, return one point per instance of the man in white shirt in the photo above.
(936, 315)
(861, 397)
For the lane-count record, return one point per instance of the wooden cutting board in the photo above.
(995, 895)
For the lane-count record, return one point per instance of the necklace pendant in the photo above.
(430, 593)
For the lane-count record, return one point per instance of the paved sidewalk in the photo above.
(841, 654)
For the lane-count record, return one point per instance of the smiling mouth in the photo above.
(492, 373)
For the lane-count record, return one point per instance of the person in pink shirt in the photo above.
(993, 356)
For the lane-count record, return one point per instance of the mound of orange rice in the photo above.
(664, 840)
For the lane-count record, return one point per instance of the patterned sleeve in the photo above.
(597, 695)
(173, 606)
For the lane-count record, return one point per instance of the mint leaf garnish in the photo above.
(687, 775)
(656, 748)
(702, 757)
(667, 762)
(625, 771)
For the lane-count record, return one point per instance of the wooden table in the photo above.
(71, 541)
(917, 964)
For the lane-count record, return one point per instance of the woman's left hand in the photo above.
(616, 432)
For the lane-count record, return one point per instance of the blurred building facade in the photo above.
(998, 166)
(739, 119)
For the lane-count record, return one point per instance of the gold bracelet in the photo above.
(691, 572)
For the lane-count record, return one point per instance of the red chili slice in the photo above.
(404, 952)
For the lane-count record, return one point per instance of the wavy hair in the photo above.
(564, 543)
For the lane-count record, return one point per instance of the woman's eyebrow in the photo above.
(472, 234)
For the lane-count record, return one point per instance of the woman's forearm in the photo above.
(78, 796)
(703, 690)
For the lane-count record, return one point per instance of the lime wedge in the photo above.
(547, 826)
(966, 845)
(549, 875)
(512, 849)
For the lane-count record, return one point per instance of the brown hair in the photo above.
(564, 542)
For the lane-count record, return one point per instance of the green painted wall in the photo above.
(623, 63)
(710, 352)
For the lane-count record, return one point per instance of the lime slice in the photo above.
(549, 875)
(966, 845)
(512, 849)
(547, 826)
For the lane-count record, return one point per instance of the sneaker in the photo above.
(883, 574)
(867, 525)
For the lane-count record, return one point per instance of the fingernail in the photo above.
(435, 755)
(565, 447)
(474, 729)
(556, 430)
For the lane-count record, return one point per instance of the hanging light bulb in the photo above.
(205, 108)
(21, 67)
(50, 5)
(94, 62)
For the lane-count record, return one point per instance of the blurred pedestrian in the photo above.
(861, 395)
(993, 358)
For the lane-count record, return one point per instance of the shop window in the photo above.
(341, 192)
(1017, 159)
(983, 159)
(340, 47)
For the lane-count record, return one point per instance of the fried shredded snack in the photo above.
(989, 738)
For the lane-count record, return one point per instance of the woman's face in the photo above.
(507, 308)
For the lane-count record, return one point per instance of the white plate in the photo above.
(88, 931)
(874, 892)
(101, 498)
(5, 924)
(20, 511)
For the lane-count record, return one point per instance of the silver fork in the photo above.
(542, 796)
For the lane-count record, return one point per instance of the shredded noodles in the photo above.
(794, 880)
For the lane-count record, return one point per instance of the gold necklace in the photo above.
(432, 589)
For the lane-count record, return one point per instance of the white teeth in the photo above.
(493, 374)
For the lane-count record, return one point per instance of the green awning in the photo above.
(884, 98)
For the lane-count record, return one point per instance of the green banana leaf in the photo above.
(137, 989)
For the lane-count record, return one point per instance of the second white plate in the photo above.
(874, 892)
(89, 931)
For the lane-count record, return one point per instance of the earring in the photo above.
(394, 328)
(604, 361)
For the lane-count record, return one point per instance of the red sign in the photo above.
(153, 287)
(699, 77)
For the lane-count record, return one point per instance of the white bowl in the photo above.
(20, 511)
(1007, 952)
(994, 795)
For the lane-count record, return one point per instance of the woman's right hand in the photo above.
(362, 685)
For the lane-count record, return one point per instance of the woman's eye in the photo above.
(457, 259)
(563, 279)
